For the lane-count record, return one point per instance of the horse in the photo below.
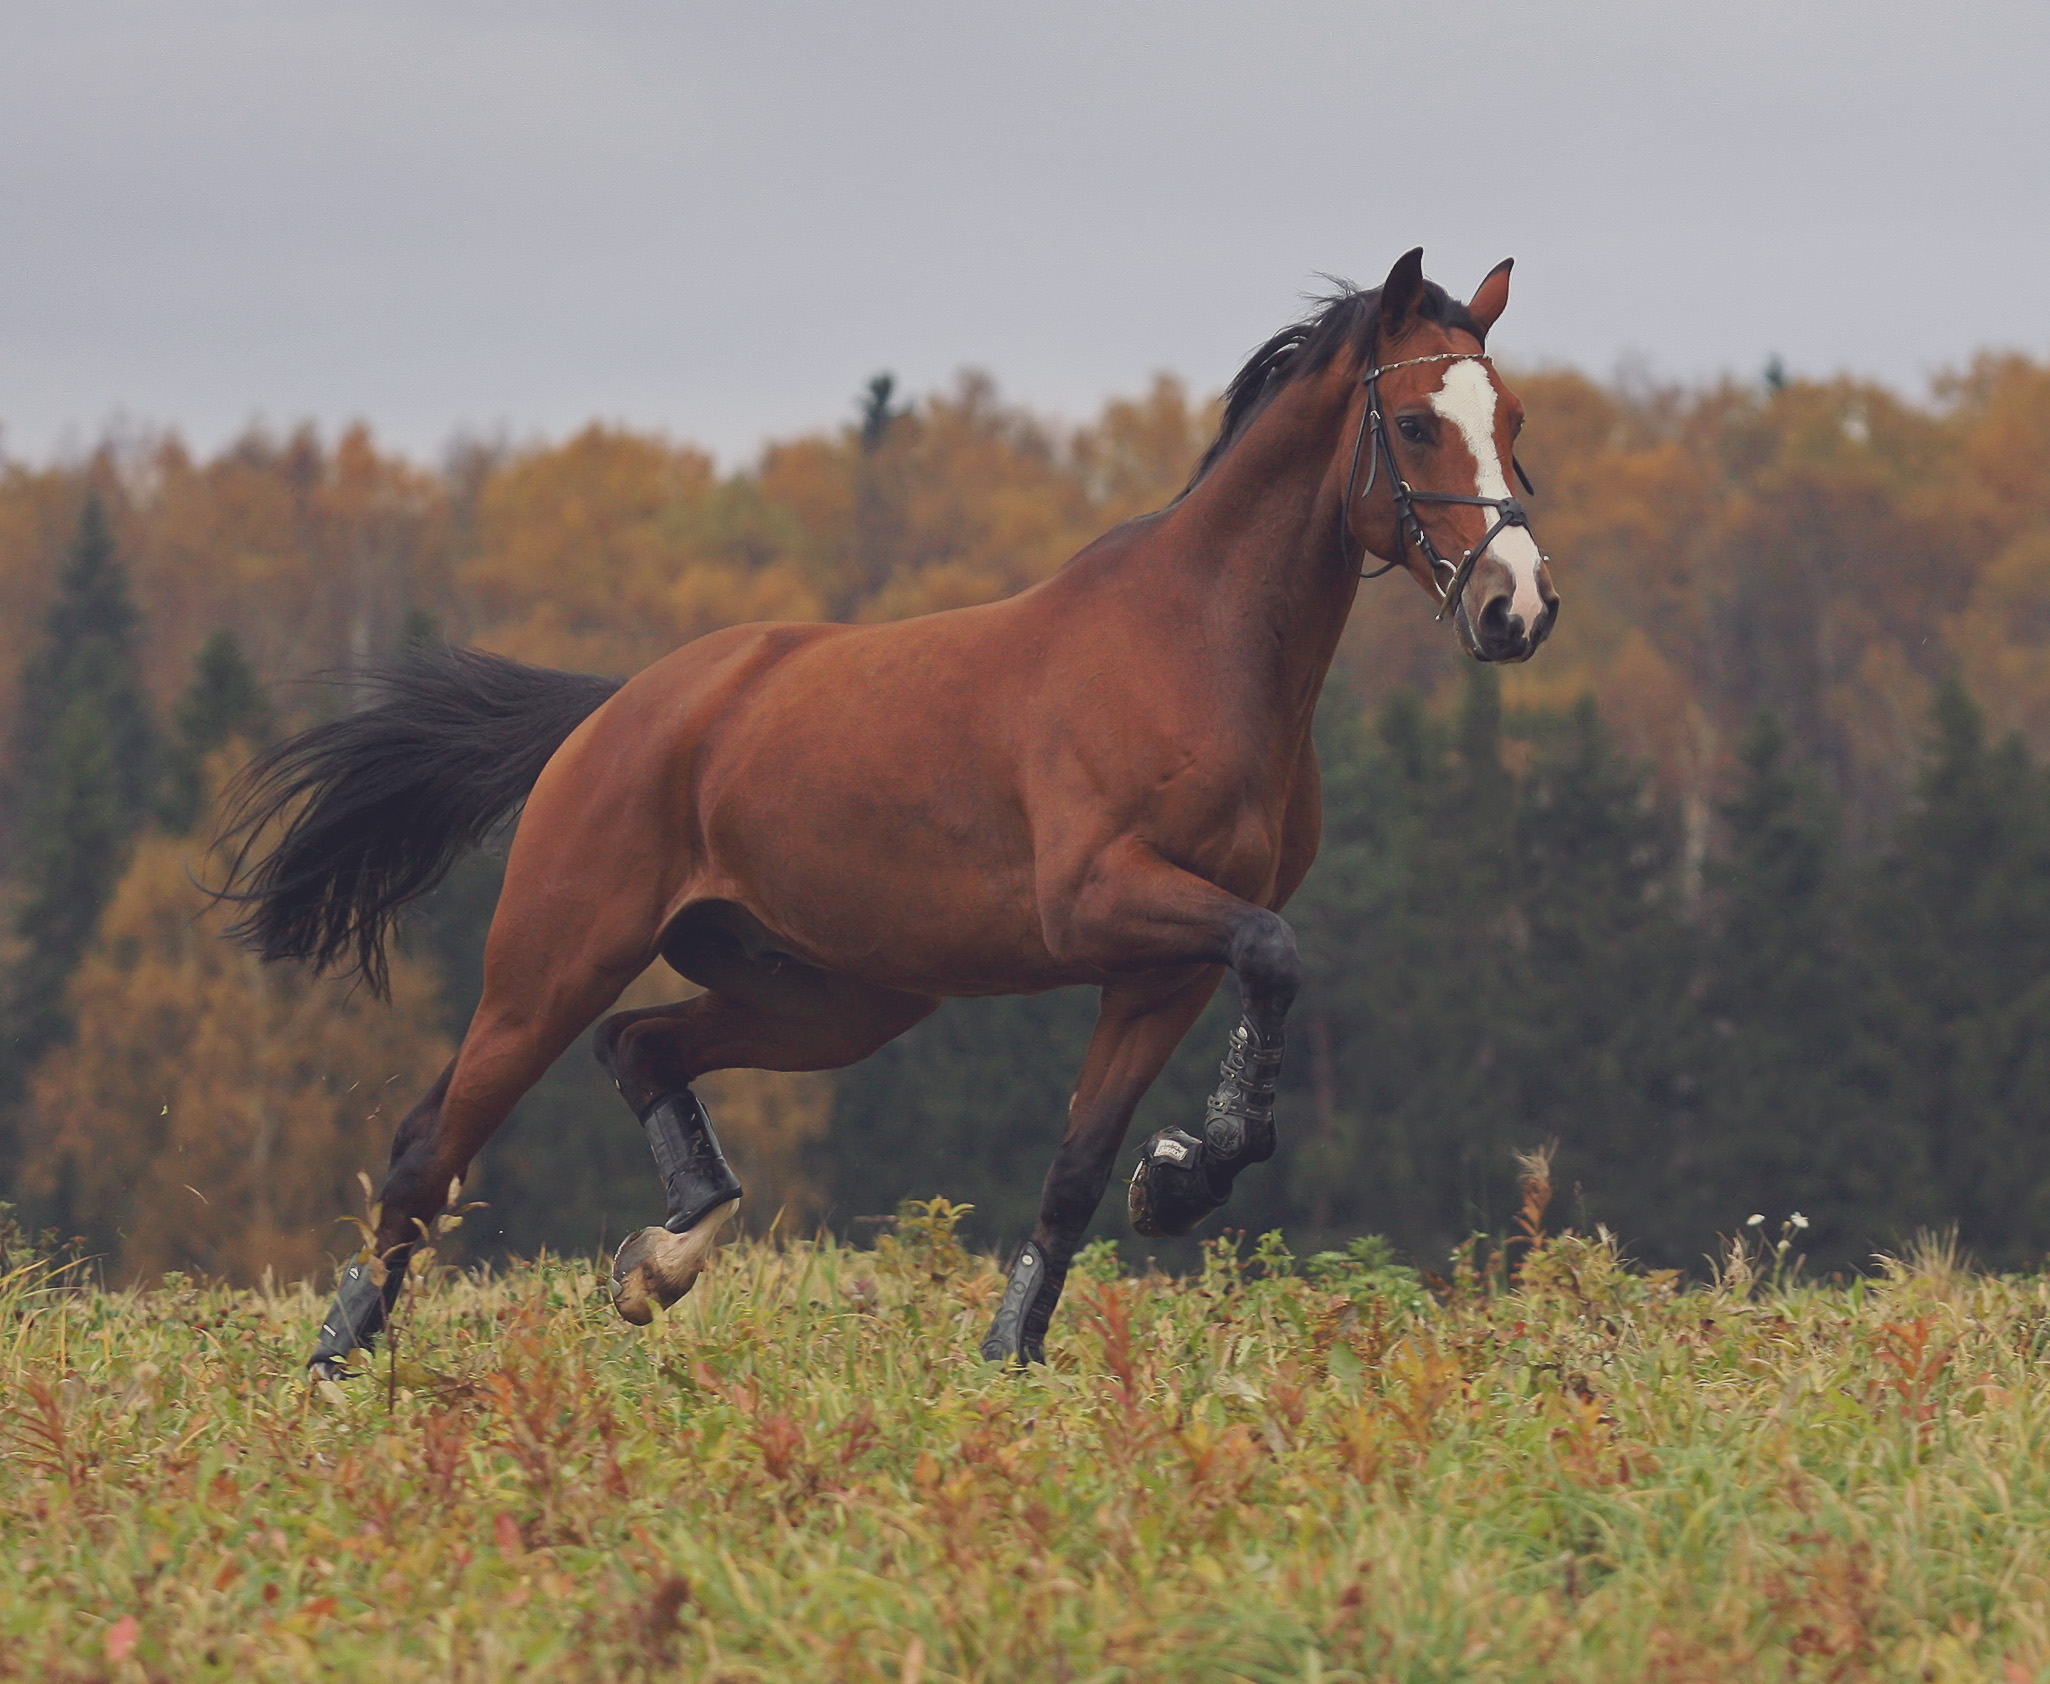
(1105, 779)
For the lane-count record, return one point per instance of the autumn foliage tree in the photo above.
(210, 1114)
(1873, 572)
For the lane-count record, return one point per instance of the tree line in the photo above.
(1734, 892)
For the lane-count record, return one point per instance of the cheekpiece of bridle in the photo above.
(1508, 510)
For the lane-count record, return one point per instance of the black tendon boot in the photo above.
(694, 1171)
(1238, 1125)
(1018, 1334)
(356, 1317)
(657, 1266)
(1180, 1179)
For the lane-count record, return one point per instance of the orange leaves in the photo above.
(1912, 1366)
(1108, 1313)
(592, 554)
(1718, 547)
(122, 1637)
(554, 1418)
(197, 1072)
(1833, 1599)
(1584, 1438)
(35, 1433)
(505, 1532)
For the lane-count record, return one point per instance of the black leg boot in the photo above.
(657, 1266)
(1018, 1334)
(356, 1317)
(1181, 1179)
(695, 1174)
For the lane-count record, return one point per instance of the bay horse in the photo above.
(1106, 779)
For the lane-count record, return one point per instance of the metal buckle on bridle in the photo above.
(1509, 511)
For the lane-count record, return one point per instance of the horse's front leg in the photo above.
(1137, 1030)
(1181, 1177)
(1134, 912)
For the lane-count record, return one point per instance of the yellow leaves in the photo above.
(194, 1066)
(2003, 419)
(1220, 1461)
(2002, 638)
(1139, 454)
(580, 547)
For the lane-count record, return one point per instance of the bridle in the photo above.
(1508, 511)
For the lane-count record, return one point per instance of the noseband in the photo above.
(1508, 511)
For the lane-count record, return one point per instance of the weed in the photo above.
(1278, 1470)
(1368, 1273)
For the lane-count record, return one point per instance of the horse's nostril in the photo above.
(1500, 628)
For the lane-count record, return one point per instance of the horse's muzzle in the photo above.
(1498, 633)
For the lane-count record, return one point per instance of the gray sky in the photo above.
(721, 219)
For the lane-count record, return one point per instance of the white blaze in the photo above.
(1467, 399)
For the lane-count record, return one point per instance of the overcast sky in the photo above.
(720, 219)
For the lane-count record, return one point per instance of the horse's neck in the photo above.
(1255, 548)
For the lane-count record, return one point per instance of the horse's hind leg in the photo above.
(759, 1014)
(531, 1011)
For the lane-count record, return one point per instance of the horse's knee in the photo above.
(634, 1049)
(605, 1040)
(1264, 957)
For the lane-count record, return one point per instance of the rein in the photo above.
(1508, 510)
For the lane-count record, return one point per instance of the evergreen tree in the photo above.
(1397, 1119)
(1955, 943)
(969, 1104)
(85, 772)
(224, 702)
(1785, 1125)
(1598, 1028)
(878, 413)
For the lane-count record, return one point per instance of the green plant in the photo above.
(1367, 1271)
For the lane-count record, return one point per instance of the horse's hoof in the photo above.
(655, 1266)
(1170, 1190)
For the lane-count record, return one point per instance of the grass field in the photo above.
(1285, 1470)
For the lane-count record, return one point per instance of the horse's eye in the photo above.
(1410, 428)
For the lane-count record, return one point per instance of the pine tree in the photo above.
(223, 703)
(1785, 1126)
(1597, 1025)
(1398, 1117)
(1955, 939)
(85, 773)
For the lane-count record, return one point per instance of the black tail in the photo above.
(389, 797)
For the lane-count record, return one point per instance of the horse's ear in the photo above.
(1491, 297)
(1402, 292)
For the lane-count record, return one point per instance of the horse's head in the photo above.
(1434, 444)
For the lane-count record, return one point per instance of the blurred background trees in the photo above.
(1741, 891)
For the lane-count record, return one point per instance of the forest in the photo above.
(1740, 892)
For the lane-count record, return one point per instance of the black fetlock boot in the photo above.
(1172, 1188)
(356, 1317)
(657, 1266)
(695, 1174)
(1181, 1179)
(1018, 1334)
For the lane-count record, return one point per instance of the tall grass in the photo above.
(1552, 1469)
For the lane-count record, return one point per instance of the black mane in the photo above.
(1347, 319)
